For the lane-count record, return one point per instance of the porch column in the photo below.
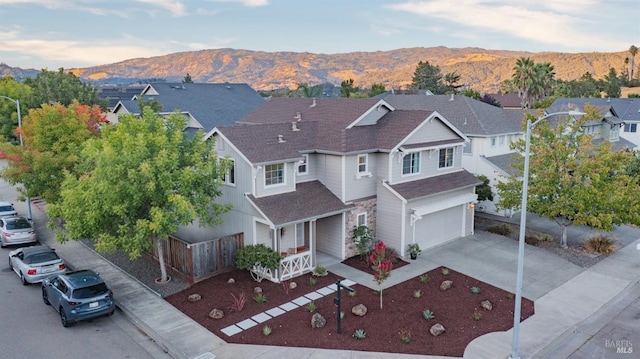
(312, 224)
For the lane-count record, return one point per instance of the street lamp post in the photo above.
(523, 223)
(17, 102)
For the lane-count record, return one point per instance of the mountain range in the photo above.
(480, 69)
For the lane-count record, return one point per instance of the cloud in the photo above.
(176, 8)
(247, 3)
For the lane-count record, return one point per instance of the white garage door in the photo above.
(439, 227)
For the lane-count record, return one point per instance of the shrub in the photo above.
(445, 271)
(531, 240)
(546, 237)
(405, 336)
(313, 281)
(362, 237)
(391, 255)
(417, 293)
(266, 330)
(286, 287)
(311, 307)
(352, 294)
(320, 271)
(260, 298)
(238, 302)
(509, 295)
(424, 278)
(359, 334)
(477, 315)
(475, 290)
(427, 314)
(603, 244)
(341, 315)
(502, 229)
(257, 259)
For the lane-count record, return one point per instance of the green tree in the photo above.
(523, 78)
(377, 89)
(633, 51)
(612, 83)
(61, 87)
(451, 80)
(8, 110)
(471, 93)
(484, 191)
(53, 136)
(187, 79)
(141, 180)
(573, 180)
(347, 89)
(309, 91)
(428, 77)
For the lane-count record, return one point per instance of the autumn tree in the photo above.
(53, 136)
(61, 87)
(8, 109)
(574, 179)
(141, 180)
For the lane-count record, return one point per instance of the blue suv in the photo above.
(77, 296)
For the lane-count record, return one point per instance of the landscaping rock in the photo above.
(194, 297)
(216, 314)
(318, 321)
(257, 290)
(231, 281)
(293, 285)
(446, 285)
(436, 329)
(359, 310)
(486, 305)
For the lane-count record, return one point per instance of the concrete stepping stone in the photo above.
(262, 317)
(327, 290)
(314, 295)
(231, 330)
(301, 301)
(288, 306)
(246, 324)
(275, 312)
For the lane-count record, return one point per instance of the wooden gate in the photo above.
(198, 261)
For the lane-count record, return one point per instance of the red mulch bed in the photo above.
(360, 264)
(453, 308)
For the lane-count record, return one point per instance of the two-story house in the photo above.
(204, 105)
(306, 172)
(490, 130)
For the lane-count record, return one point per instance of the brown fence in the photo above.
(198, 261)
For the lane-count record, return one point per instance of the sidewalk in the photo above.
(571, 303)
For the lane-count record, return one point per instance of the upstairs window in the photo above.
(468, 147)
(411, 163)
(303, 166)
(363, 167)
(230, 176)
(274, 174)
(631, 127)
(446, 157)
(493, 142)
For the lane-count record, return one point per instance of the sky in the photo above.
(50, 34)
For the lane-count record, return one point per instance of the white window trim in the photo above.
(419, 165)
(306, 163)
(453, 162)
(284, 176)
(360, 215)
(227, 175)
(493, 141)
(366, 172)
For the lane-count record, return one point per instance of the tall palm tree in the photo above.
(524, 74)
(632, 51)
(544, 80)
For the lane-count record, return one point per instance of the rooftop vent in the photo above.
(294, 127)
(452, 96)
(313, 104)
(298, 117)
(281, 139)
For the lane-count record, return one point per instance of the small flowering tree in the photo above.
(381, 265)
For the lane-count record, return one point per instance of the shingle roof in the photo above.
(262, 143)
(210, 104)
(310, 200)
(471, 117)
(627, 109)
(507, 100)
(505, 162)
(435, 185)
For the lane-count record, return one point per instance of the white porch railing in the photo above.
(294, 265)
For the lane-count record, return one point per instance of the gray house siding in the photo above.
(359, 186)
(287, 186)
(329, 235)
(433, 130)
(333, 175)
(390, 218)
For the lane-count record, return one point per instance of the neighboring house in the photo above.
(511, 101)
(204, 105)
(307, 172)
(115, 93)
(620, 122)
(490, 130)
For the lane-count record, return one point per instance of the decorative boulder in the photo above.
(359, 310)
(293, 285)
(318, 321)
(216, 314)
(194, 297)
(486, 305)
(257, 290)
(231, 281)
(446, 285)
(436, 329)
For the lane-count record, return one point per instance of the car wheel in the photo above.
(45, 297)
(63, 318)
(23, 279)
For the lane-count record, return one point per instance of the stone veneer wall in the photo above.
(368, 206)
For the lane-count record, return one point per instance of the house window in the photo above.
(614, 133)
(299, 234)
(230, 175)
(362, 219)
(303, 166)
(501, 138)
(493, 142)
(468, 147)
(362, 164)
(630, 127)
(446, 157)
(273, 174)
(411, 163)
